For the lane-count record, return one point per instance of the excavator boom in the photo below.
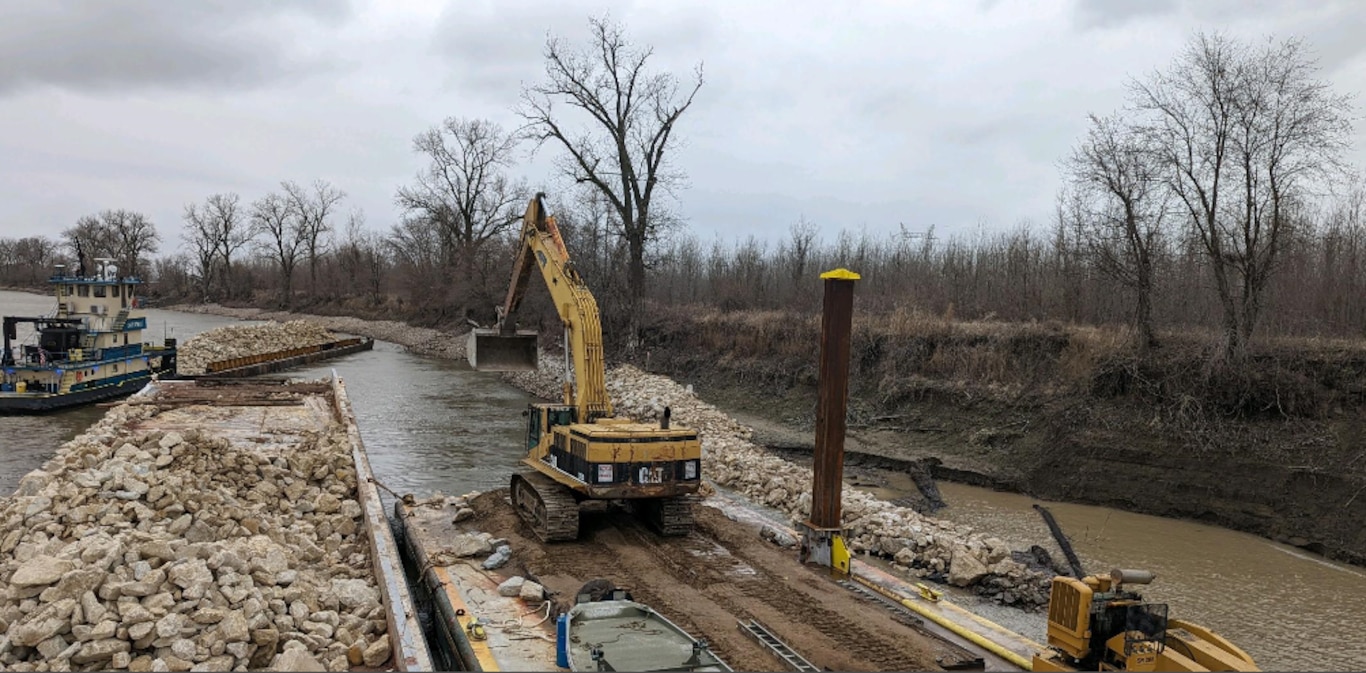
(505, 348)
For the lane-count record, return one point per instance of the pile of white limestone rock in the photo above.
(159, 551)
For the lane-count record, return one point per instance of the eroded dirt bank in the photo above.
(1048, 412)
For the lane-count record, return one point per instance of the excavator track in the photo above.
(547, 506)
(670, 516)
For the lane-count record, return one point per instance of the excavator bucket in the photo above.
(490, 351)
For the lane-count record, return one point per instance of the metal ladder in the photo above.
(120, 320)
(952, 655)
(901, 612)
(766, 638)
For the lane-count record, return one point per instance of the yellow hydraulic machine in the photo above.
(581, 457)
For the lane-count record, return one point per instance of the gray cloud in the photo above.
(116, 46)
(873, 113)
(1116, 13)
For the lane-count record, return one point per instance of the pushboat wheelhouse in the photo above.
(89, 349)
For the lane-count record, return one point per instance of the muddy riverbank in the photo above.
(1066, 414)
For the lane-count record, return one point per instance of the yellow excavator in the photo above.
(1100, 623)
(580, 457)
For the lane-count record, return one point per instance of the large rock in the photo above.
(964, 568)
(471, 544)
(377, 653)
(50, 620)
(191, 573)
(40, 571)
(99, 650)
(74, 584)
(354, 593)
(233, 628)
(266, 641)
(512, 586)
(296, 660)
(532, 592)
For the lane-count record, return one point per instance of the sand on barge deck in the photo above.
(707, 583)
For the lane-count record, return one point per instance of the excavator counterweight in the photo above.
(490, 350)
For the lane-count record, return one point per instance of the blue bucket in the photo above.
(562, 641)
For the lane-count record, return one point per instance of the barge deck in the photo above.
(708, 583)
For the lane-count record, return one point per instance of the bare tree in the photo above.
(624, 151)
(88, 239)
(31, 258)
(232, 230)
(201, 237)
(1245, 134)
(283, 236)
(416, 251)
(1119, 208)
(217, 229)
(313, 208)
(464, 190)
(803, 236)
(125, 236)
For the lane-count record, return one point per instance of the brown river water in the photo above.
(434, 425)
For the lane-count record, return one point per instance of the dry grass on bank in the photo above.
(906, 355)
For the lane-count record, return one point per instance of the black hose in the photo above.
(1063, 543)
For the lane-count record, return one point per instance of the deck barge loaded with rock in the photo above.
(207, 525)
(239, 351)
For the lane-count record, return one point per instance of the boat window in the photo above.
(115, 290)
(100, 290)
(84, 290)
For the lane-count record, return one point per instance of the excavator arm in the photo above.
(504, 347)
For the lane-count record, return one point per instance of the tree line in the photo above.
(1217, 197)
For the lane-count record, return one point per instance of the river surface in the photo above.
(434, 425)
(1284, 606)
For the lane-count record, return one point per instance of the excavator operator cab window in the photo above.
(559, 416)
(533, 428)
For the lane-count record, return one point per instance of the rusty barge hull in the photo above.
(277, 361)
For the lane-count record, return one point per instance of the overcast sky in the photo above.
(952, 114)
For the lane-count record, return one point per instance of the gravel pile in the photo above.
(922, 546)
(157, 551)
(420, 340)
(235, 341)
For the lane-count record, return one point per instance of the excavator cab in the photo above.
(490, 350)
